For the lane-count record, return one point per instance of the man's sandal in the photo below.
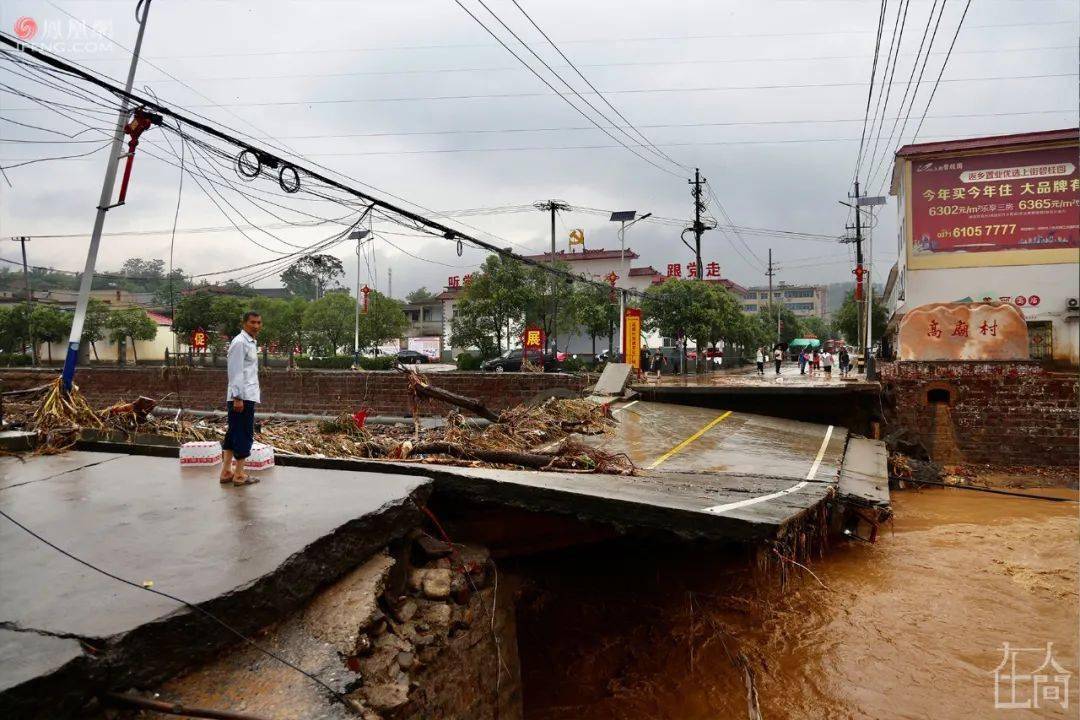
(226, 478)
(244, 480)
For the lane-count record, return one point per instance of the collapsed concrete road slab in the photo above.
(248, 555)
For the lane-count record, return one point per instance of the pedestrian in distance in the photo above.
(815, 359)
(802, 361)
(760, 359)
(778, 358)
(826, 362)
(656, 363)
(845, 360)
(240, 400)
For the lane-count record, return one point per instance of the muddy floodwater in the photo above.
(910, 627)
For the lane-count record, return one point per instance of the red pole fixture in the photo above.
(139, 123)
(365, 290)
(859, 272)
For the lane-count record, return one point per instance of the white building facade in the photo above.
(993, 219)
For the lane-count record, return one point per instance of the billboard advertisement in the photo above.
(1007, 208)
(430, 346)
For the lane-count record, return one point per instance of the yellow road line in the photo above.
(712, 423)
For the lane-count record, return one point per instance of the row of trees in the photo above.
(23, 326)
(504, 297)
(324, 326)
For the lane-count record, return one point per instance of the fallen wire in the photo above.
(140, 586)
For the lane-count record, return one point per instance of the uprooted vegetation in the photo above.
(537, 436)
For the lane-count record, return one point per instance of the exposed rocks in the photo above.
(436, 583)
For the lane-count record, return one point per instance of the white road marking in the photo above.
(794, 488)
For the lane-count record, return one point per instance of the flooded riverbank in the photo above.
(911, 627)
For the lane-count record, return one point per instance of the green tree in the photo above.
(545, 298)
(384, 320)
(194, 312)
(791, 324)
(594, 311)
(420, 294)
(95, 325)
(283, 323)
(472, 326)
(309, 276)
(816, 327)
(846, 320)
(328, 322)
(50, 325)
(15, 327)
(131, 323)
(495, 303)
(688, 307)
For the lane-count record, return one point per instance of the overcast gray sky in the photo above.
(351, 85)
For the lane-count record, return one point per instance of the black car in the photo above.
(510, 361)
(412, 357)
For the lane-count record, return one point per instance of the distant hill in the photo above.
(836, 292)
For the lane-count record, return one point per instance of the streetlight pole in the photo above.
(621, 217)
(102, 207)
(29, 299)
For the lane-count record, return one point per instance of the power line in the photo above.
(293, 52)
(629, 91)
(548, 84)
(870, 92)
(593, 87)
(942, 71)
(907, 88)
(630, 64)
(890, 62)
(402, 215)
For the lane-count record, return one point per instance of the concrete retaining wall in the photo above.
(301, 391)
(1001, 413)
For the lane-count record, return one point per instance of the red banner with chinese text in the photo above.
(1023, 200)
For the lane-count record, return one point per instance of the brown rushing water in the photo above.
(911, 627)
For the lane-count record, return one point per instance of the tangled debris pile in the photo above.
(536, 436)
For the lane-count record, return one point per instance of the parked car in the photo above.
(412, 357)
(510, 361)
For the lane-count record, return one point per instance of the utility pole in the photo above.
(29, 298)
(102, 207)
(769, 273)
(390, 282)
(553, 206)
(859, 272)
(699, 227)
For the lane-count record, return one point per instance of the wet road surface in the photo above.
(727, 443)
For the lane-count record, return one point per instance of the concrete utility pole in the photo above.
(102, 207)
(358, 236)
(553, 206)
(769, 273)
(863, 298)
(29, 298)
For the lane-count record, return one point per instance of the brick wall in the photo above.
(1002, 413)
(322, 392)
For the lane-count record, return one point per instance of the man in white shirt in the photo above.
(241, 399)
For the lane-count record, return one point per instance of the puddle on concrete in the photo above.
(911, 627)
